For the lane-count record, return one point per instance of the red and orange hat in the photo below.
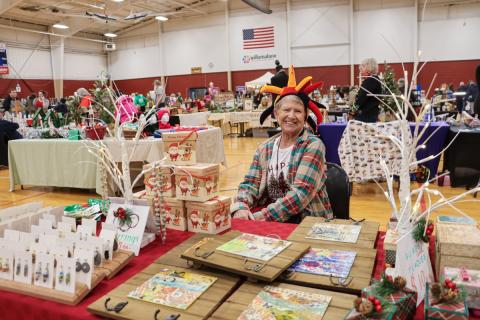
(301, 90)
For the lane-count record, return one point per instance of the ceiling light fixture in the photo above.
(60, 26)
(161, 18)
(110, 34)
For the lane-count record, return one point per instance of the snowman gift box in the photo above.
(166, 180)
(180, 147)
(210, 217)
(197, 183)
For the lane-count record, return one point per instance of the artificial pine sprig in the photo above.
(419, 232)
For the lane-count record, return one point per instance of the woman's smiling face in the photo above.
(290, 115)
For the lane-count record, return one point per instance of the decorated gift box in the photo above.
(175, 214)
(457, 245)
(470, 280)
(371, 308)
(212, 216)
(394, 291)
(197, 183)
(445, 301)
(180, 147)
(167, 180)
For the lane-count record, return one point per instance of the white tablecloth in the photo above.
(250, 117)
(194, 119)
(66, 163)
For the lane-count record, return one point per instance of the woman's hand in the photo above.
(243, 214)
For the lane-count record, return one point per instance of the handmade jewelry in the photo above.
(46, 274)
(85, 266)
(19, 267)
(38, 273)
(127, 219)
(67, 277)
(115, 244)
(78, 266)
(98, 258)
(25, 269)
(61, 275)
(106, 254)
(6, 266)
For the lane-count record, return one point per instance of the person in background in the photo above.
(476, 103)
(472, 93)
(41, 101)
(85, 99)
(9, 101)
(9, 128)
(460, 100)
(367, 105)
(61, 107)
(280, 79)
(29, 107)
(140, 101)
(286, 180)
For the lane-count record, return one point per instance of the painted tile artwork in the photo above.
(325, 262)
(254, 247)
(334, 232)
(274, 303)
(173, 289)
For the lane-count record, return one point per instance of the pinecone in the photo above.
(366, 307)
(449, 295)
(436, 289)
(357, 302)
(399, 283)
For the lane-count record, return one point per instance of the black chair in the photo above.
(338, 189)
(3, 149)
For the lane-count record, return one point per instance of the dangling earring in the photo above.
(67, 277)
(115, 244)
(107, 251)
(85, 266)
(38, 273)
(19, 267)
(78, 266)
(46, 273)
(6, 266)
(60, 275)
(98, 258)
(25, 269)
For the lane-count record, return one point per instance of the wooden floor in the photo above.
(367, 200)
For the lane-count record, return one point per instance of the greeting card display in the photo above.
(211, 217)
(175, 214)
(173, 289)
(325, 262)
(277, 303)
(167, 180)
(130, 220)
(197, 183)
(180, 147)
(254, 247)
(334, 232)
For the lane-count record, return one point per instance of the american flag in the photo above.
(258, 38)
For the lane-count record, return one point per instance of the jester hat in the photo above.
(301, 90)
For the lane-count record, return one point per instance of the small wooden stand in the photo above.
(81, 290)
(206, 255)
(359, 277)
(119, 260)
(202, 308)
(338, 308)
(366, 238)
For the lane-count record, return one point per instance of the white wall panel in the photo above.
(135, 63)
(29, 63)
(84, 66)
(394, 24)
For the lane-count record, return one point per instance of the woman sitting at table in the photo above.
(286, 180)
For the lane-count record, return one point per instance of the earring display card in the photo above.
(92, 224)
(173, 289)
(83, 232)
(59, 251)
(36, 231)
(71, 221)
(34, 218)
(255, 247)
(63, 228)
(21, 224)
(84, 266)
(51, 217)
(273, 301)
(6, 264)
(44, 270)
(12, 235)
(65, 274)
(44, 223)
(23, 267)
(109, 237)
(130, 221)
(38, 248)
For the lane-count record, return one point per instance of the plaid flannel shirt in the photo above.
(306, 177)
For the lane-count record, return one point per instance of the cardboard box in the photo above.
(197, 183)
(176, 217)
(180, 147)
(167, 179)
(211, 217)
(457, 245)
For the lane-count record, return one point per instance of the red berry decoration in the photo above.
(447, 281)
(377, 302)
(371, 299)
(378, 308)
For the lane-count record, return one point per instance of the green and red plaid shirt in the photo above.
(306, 176)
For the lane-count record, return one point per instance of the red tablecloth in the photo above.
(16, 306)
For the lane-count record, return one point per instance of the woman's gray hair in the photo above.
(370, 65)
(289, 98)
(82, 92)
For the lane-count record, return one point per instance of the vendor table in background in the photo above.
(16, 306)
(462, 158)
(193, 119)
(331, 134)
(67, 163)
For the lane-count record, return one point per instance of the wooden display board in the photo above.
(81, 290)
(119, 260)
(366, 238)
(206, 255)
(202, 308)
(173, 256)
(338, 308)
(359, 277)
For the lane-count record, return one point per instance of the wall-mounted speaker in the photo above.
(262, 5)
